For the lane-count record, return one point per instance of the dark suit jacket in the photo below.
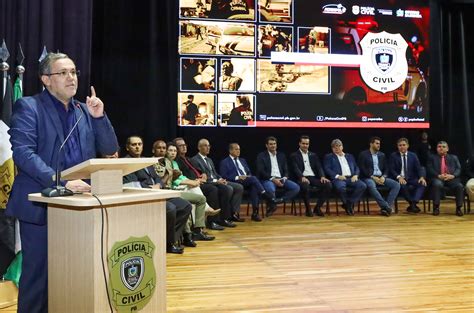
(185, 169)
(202, 166)
(228, 170)
(264, 165)
(366, 164)
(434, 165)
(332, 167)
(147, 177)
(297, 165)
(36, 135)
(414, 168)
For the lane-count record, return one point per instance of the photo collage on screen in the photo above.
(224, 48)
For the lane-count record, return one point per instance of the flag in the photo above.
(7, 173)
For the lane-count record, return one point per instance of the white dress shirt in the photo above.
(308, 171)
(274, 162)
(346, 170)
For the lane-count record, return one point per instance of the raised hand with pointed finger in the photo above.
(95, 106)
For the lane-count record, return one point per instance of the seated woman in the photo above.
(191, 192)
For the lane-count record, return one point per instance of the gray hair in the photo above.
(50, 58)
(336, 142)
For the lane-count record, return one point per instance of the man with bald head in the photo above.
(230, 193)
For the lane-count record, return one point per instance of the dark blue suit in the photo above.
(332, 168)
(413, 190)
(36, 134)
(228, 170)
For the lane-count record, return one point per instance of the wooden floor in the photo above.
(403, 263)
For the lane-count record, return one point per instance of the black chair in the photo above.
(447, 193)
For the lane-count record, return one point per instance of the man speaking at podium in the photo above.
(39, 126)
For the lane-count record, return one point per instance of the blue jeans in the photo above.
(393, 186)
(341, 188)
(291, 188)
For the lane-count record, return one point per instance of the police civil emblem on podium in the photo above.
(108, 251)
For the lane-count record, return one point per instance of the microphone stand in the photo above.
(58, 190)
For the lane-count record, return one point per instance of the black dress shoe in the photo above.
(309, 213)
(237, 218)
(459, 211)
(277, 200)
(348, 208)
(385, 212)
(188, 240)
(436, 211)
(171, 248)
(200, 236)
(317, 211)
(227, 223)
(256, 218)
(412, 210)
(214, 226)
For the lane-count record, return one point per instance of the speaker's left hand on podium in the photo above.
(78, 186)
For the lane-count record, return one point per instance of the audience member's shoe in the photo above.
(417, 209)
(172, 248)
(200, 236)
(237, 218)
(188, 240)
(309, 213)
(385, 212)
(271, 208)
(214, 226)
(413, 210)
(436, 211)
(256, 218)
(348, 208)
(459, 211)
(317, 211)
(211, 212)
(277, 200)
(227, 223)
(267, 195)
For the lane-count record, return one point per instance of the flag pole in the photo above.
(4, 67)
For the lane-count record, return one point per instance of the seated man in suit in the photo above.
(230, 193)
(470, 177)
(444, 170)
(374, 171)
(189, 170)
(405, 167)
(177, 209)
(235, 169)
(272, 170)
(308, 171)
(342, 169)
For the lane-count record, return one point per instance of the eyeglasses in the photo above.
(65, 73)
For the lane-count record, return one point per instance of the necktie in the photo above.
(444, 169)
(405, 171)
(191, 167)
(238, 168)
(209, 167)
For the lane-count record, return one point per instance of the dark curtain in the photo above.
(134, 66)
(453, 73)
(63, 26)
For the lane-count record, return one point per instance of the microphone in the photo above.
(58, 190)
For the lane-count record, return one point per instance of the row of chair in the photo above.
(298, 201)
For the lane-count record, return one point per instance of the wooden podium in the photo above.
(76, 246)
